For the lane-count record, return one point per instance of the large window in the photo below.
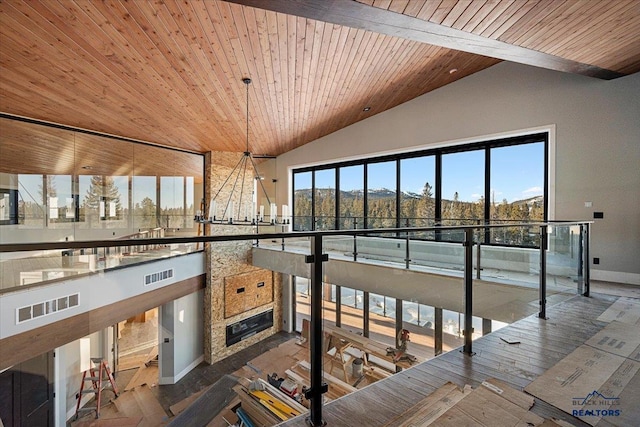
(351, 197)
(144, 202)
(462, 188)
(31, 206)
(172, 195)
(324, 199)
(491, 182)
(517, 191)
(78, 185)
(381, 194)
(417, 197)
(302, 201)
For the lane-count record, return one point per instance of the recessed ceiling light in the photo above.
(87, 167)
(366, 109)
(453, 71)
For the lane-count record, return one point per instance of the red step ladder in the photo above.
(98, 374)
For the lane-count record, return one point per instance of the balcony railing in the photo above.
(562, 245)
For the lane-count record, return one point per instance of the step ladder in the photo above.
(98, 374)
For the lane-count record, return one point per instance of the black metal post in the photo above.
(365, 314)
(338, 306)
(355, 240)
(437, 331)
(543, 272)
(478, 268)
(587, 265)
(407, 259)
(318, 388)
(399, 325)
(580, 260)
(468, 291)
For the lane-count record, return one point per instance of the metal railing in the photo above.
(317, 258)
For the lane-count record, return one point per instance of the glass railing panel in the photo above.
(507, 264)
(395, 302)
(516, 235)
(420, 223)
(325, 223)
(510, 278)
(564, 273)
(303, 223)
(351, 223)
(20, 269)
(444, 255)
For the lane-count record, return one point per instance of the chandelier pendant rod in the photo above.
(228, 177)
(243, 160)
(260, 181)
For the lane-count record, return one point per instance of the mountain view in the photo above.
(418, 210)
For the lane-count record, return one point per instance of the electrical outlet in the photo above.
(596, 260)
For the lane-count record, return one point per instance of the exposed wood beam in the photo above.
(358, 15)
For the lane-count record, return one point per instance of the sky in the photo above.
(517, 173)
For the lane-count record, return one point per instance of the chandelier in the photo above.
(223, 210)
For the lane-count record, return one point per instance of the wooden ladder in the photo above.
(98, 373)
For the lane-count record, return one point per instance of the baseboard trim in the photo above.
(616, 277)
(185, 371)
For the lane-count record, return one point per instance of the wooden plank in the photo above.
(144, 375)
(176, 408)
(111, 422)
(430, 408)
(336, 382)
(505, 391)
(362, 16)
(141, 402)
(258, 413)
(485, 408)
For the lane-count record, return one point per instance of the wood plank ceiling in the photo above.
(169, 72)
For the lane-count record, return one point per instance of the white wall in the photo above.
(181, 336)
(68, 374)
(95, 290)
(597, 143)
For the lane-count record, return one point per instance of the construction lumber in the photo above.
(260, 416)
(282, 409)
(364, 344)
(281, 396)
(375, 373)
(302, 379)
(333, 381)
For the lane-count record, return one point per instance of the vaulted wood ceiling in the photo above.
(170, 72)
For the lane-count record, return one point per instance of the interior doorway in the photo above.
(26, 392)
(136, 350)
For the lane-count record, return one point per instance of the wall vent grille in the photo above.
(152, 278)
(45, 308)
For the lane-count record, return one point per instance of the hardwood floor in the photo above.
(542, 343)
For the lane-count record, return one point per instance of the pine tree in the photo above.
(102, 188)
(426, 207)
(145, 212)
